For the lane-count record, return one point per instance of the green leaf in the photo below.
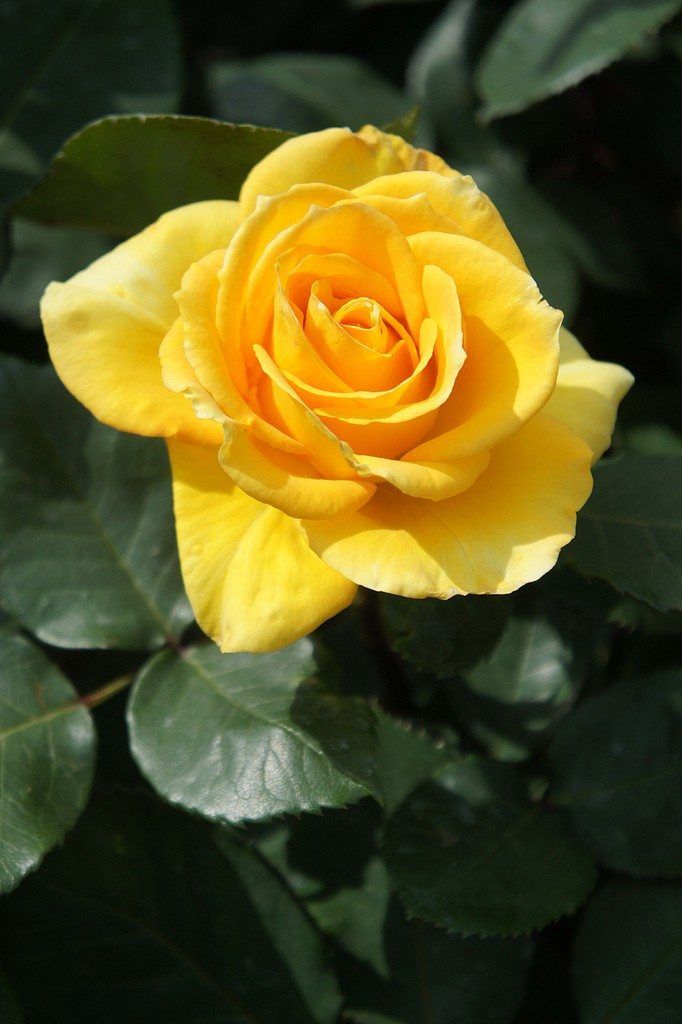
(437, 977)
(542, 233)
(467, 850)
(121, 173)
(144, 916)
(69, 61)
(594, 233)
(406, 758)
(241, 737)
(66, 62)
(617, 766)
(439, 80)
(521, 688)
(47, 754)
(88, 548)
(628, 955)
(630, 532)
(392, 970)
(438, 74)
(302, 92)
(444, 637)
(41, 255)
(654, 439)
(545, 46)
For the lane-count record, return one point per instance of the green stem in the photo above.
(106, 692)
(396, 697)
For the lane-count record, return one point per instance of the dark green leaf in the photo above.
(595, 234)
(41, 255)
(145, 917)
(525, 684)
(47, 753)
(69, 61)
(302, 92)
(66, 62)
(654, 439)
(433, 976)
(628, 955)
(439, 73)
(439, 79)
(543, 235)
(444, 637)
(617, 766)
(244, 737)
(88, 549)
(545, 46)
(393, 971)
(406, 758)
(630, 532)
(121, 173)
(9, 1008)
(469, 851)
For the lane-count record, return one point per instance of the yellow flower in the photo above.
(358, 380)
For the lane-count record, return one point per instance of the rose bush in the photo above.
(358, 380)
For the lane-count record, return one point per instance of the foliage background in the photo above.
(504, 773)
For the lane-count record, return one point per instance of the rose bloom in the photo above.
(358, 382)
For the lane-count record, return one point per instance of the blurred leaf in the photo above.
(119, 174)
(438, 75)
(654, 439)
(66, 62)
(617, 765)
(88, 547)
(525, 684)
(41, 255)
(595, 233)
(628, 955)
(439, 79)
(47, 754)
(542, 234)
(444, 637)
(355, 916)
(627, 613)
(630, 532)
(241, 737)
(144, 916)
(545, 46)
(470, 852)
(302, 92)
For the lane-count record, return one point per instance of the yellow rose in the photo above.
(358, 380)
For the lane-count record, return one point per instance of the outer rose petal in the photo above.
(587, 394)
(252, 580)
(335, 156)
(455, 197)
(506, 530)
(105, 325)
